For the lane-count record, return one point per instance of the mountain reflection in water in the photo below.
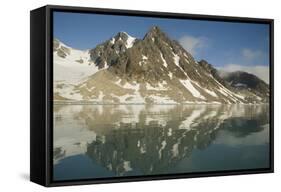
(94, 141)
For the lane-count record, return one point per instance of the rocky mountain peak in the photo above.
(155, 30)
(121, 36)
(155, 33)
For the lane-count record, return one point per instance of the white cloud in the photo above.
(259, 70)
(192, 44)
(252, 54)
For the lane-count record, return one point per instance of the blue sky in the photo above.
(227, 45)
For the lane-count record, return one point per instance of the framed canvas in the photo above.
(122, 95)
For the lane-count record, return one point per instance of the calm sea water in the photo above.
(98, 141)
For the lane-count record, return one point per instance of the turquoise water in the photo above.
(98, 141)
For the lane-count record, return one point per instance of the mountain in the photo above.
(154, 69)
(243, 81)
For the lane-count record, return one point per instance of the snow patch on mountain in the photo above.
(143, 61)
(130, 40)
(133, 86)
(212, 93)
(67, 91)
(76, 66)
(170, 74)
(144, 57)
(135, 98)
(188, 85)
(164, 61)
(157, 99)
(176, 60)
(112, 40)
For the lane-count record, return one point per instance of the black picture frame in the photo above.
(41, 106)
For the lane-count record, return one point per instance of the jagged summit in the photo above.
(124, 37)
(155, 33)
(122, 34)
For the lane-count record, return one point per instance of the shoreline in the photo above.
(94, 103)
